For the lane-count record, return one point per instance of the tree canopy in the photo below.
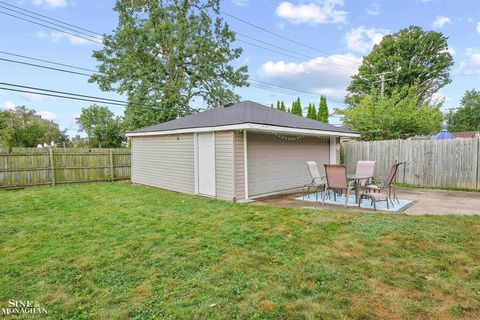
(281, 105)
(297, 107)
(409, 57)
(467, 116)
(323, 110)
(101, 126)
(165, 54)
(312, 111)
(397, 116)
(22, 128)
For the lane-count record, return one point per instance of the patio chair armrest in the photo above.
(319, 180)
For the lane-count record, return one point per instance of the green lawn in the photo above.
(116, 251)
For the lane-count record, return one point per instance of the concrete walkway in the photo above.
(428, 201)
(441, 202)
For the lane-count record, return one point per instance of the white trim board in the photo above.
(249, 127)
(245, 163)
(195, 159)
(333, 150)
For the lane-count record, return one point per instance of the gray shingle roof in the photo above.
(243, 112)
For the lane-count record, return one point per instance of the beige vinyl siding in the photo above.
(239, 164)
(276, 164)
(164, 161)
(224, 175)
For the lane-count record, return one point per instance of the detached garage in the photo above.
(237, 152)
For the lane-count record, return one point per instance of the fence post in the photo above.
(112, 177)
(52, 166)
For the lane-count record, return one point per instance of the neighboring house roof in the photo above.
(465, 134)
(243, 115)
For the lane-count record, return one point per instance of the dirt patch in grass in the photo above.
(266, 306)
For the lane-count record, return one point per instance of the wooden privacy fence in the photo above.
(50, 166)
(436, 163)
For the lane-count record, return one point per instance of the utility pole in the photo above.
(382, 81)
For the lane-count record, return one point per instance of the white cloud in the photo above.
(8, 105)
(47, 115)
(323, 75)
(441, 21)
(51, 3)
(478, 27)
(362, 39)
(56, 36)
(314, 13)
(470, 66)
(32, 97)
(241, 3)
(373, 9)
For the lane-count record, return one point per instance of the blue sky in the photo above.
(340, 31)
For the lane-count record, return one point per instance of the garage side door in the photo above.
(276, 164)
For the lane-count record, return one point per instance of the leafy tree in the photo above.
(164, 54)
(22, 128)
(409, 57)
(282, 106)
(323, 110)
(467, 116)
(297, 107)
(312, 112)
(397, 116)
(101, 126)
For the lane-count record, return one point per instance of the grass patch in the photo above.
(118, 251)
(406, 185)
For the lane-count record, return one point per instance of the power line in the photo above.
(41, 15)
(70, 95)
(62, 92)
(50, 27)
(273, 45)
(45, 67)
(279, 35)
(52, 23)
(285, 54)
(268, 49)
(98, 34)
(61, 96)
(99, 42)
(46, 61)
(264, 85)
(272, 89)
(281, 87)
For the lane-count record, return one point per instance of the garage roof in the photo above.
(245, 112)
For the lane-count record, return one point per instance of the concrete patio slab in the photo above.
(428, 201)
(431, 201)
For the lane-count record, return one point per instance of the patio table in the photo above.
(353, 177)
